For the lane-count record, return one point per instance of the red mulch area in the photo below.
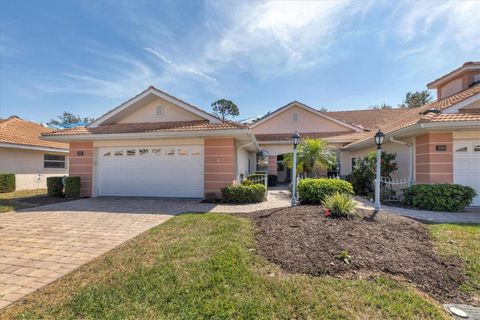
(302, 240)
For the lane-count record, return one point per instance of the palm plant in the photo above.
(312, 155)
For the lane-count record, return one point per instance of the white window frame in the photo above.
(159, 111)
(45, 161)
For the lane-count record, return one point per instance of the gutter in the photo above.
(27, 147)
(410, 149)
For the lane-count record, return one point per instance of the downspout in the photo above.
(410, 148)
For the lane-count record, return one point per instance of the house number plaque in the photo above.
(441, 147)
(80, 153)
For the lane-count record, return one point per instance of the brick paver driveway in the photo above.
(42, 244)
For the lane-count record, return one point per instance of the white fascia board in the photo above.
(159, 94)
(457, 106)
(310, 109)
(35, 148)
(436, 83)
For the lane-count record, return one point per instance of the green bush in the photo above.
(244, 194)
(55, 186)
(72, 187)
(247, 183)
(315, 190)
(439, 196)
(341, 205)
(7, 182)
(272, 180)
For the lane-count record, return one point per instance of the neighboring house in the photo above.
(158, 145)
(31, 159)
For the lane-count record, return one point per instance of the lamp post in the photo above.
(379, 137)
(295, 139)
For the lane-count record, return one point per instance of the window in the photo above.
(118, 153)
(107, 154)
(142, 152)
(476, 148)
(170, 152)
(462, 149)
(54, 161)
(159, 111)
(182, 152)
(196, 151)
(157, 151)
(354, 162)
(295, 117)
(130, 152)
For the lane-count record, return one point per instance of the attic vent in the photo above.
(436, 111)
(159, 111)
(295, 117)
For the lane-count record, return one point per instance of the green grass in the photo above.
(462, 241)
(12, 200)
(204, 266)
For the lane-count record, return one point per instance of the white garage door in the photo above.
(150, 171)
(466, 165)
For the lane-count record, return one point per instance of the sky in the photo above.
(87, 57)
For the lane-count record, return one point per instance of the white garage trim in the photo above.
(150, 171)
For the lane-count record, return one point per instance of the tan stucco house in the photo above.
(31, 159)
(158, 145)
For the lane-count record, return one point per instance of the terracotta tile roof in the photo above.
(179, 126)
(414, 115)
(371, 119)
(18, 131)
(288, 136)
(466, 64)
(345, 138)
(450, 117)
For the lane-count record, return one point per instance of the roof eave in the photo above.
(436, 83)
(30, 147)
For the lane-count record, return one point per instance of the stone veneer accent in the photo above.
(82, 166)
(220, 164)
(272, 165)
(434, 166)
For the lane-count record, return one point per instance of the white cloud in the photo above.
(180, 67)
(276, 36)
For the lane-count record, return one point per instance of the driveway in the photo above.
(41, 244)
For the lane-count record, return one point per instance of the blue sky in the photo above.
(87, 57)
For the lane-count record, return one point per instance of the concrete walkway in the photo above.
(427, 216)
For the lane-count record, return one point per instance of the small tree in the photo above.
(68, 118)
(223, 108)
(312, 155)
(416, 99)
(382, 106)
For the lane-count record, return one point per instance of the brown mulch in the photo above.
(302, 240)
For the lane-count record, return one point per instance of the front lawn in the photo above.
(205, 266)
(25, 199)
(462, 241)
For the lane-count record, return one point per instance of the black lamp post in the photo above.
(295, 139)
(379, 138)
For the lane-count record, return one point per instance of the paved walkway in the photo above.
(427, 216)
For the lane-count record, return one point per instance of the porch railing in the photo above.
(259, 177)
(392, 189)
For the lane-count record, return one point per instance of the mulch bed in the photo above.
(302, 240)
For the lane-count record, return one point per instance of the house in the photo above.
(158, 145)
(31, 159)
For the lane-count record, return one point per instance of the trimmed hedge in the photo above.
(7, 182)
(439, 196)
(244, 194)
(72, 187)
(315, 190)
(55, 186)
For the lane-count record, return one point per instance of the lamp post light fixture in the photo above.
(295, 139)
(379, 138)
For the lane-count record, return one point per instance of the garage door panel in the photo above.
(466, 165)
(157, 171)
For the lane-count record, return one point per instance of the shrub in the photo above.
(341, 205)
(315, 190)
(363, 174)
(55, 186)
(439, 197)
(272, 180)
(244, 194)
(247, 183)
(72, 187)
(7, 182)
